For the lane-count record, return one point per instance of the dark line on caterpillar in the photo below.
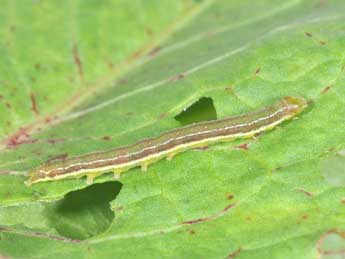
(170, 143)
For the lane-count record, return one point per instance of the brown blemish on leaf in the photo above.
(47, 120)
(137, 54)
(230, 197)
(7, 195)
(305, 216)
(110, 65)
(212, 217)
(8, 105)
(309, 194)
(323, 42)
(13, 28)
(122, 81)
(248, 218)
(257, 71)
(244, 146)
(177, 77)
(148, 31)
(71, 79)
(106, 137)
(230, 90)
(37, 66)
(39, 235)
(119, 208)
(58, 157)
(54, 141)
(78, 62)
(18, 138)
(308, 34)
(189, 222)
(129, 113)
(191, 231)
(326, 89)
(154, 51)
(234, 253)
(33, 104)
(342, 201)
(162, 115)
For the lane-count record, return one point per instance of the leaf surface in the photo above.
(79, 77)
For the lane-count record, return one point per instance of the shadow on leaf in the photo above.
(84, 213)
(201, 110)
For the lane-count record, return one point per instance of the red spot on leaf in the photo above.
(230, 206)
(58, 157)
(189, 222)
(326, 89)
(13, 28)
(214, 216)
(122, 81)
(309, 194)
(37, 66)
(77, 61)
(305, 216)
(33, 103)
(230, 197)
(235, 253)
(162, 115)
(119, 208)
(191, 231)
(110, 65)
(18, 138)
(54, 141)
(137, 54)
(178, 77)
(244, 146)
(47, 120)
(230, 90)
(148, 31)
(154, 51)
(248, 218)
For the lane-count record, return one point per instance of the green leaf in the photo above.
(85, 76)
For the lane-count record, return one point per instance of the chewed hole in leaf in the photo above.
(332, 245)
(84, 213)
(201, 110)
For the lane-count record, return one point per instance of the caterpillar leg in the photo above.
(144, 166)
(117, 174)
(90, 177)
(170, 156)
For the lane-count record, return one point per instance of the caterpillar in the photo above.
(168, 144)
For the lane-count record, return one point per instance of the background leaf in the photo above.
(82, 76)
